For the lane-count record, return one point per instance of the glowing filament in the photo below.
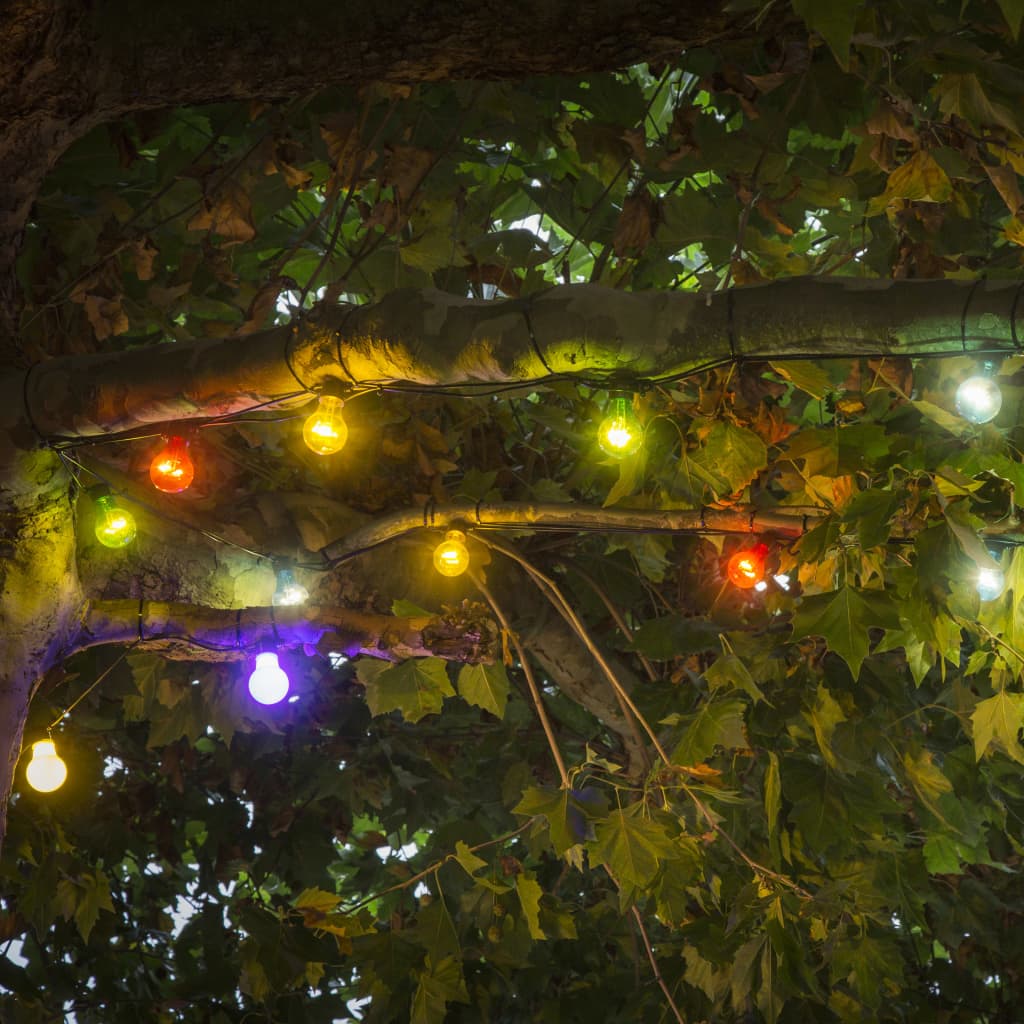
(325, 431)
(172, 470)
(746, 568)
(46, 771)
(451, 556)
(115, 527)
(620, 433)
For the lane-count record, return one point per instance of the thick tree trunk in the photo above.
(587, 332)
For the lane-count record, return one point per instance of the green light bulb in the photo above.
(115, 527)
(620, 433)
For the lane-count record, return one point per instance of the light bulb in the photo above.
(172, 470)
(978, 399)
(451, 556)
(288, 591)
(268, 683)
(115, 527)
(46, 771)
(325, 431)
(620, 433)
(746, 568)
(990, 583)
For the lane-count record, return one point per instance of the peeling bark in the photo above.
(583, 331)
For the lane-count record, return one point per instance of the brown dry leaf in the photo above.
(263, 303)
(635, 226)
(143, 253)
(406, 167)
(885, 121)
(770, 424)
(744, 272)
(228, 215)
(1005, 180)
(503, 278)
(107, 316)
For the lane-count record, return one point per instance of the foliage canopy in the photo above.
(838, 828)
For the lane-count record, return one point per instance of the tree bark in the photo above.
(222, 634)
(585, 332)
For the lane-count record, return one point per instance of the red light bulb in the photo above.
(746, 568)
(171, 469)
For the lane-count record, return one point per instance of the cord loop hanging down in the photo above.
(963, 315)
(533, 337)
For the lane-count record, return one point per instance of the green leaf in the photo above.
(440, 983)
(485, 686)
(730, 672)
(730, 458)
(416, 688)
(317, 899)
(435, 930)
(719, 723)
(470, 862)
(1013, 12)
(772, 792)
(833, 21)
(407, 610)
(632, 846)
(997, 721)
(809, 377)
(824, 716)
(530, 892)
(95, 896)
(843, 618)
(674, 635)
(941, 856)
(560, 810)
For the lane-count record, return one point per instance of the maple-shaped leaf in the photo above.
(485, 686)
(632, 846)
(566, 811)
(440, 983)
(94, 897)
(719, 723)
(530, 892)
(416, 687)
(843, 618)
(997, 721)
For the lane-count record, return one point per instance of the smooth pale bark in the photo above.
(587, 332)
(184, 629)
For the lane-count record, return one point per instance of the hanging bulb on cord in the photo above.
(745, 569)
(115, 526)
(268, 683)
(325, 430)
(978, 399)
(46, 771)
(620, 433)
(451, 556)
(172, 469)
(289, 591)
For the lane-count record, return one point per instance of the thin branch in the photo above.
(223, 634)
(542, 714)
(649, 950)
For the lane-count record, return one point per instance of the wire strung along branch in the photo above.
(221, 634)
(431, 340)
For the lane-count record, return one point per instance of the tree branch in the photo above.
(218, 634)
(585, 332)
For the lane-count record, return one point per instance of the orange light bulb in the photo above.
(172, 470)
(746, 568)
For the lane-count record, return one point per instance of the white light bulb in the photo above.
(268, 683)
(288, 591)
(978, 399)
(990, 584)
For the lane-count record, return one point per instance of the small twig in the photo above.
(531, 681)
(649, 950)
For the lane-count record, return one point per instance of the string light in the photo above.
(115, 526)
(990, 583)
(451, 556)
(46, 771)
(978, 399)
(289, 591)
(325, 431)
(620, 433)
(268, 683)
(746, 568)
(172, 469)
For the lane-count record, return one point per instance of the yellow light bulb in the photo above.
(325, 431)
(620, 433)
(46, 771)
(451, 556)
